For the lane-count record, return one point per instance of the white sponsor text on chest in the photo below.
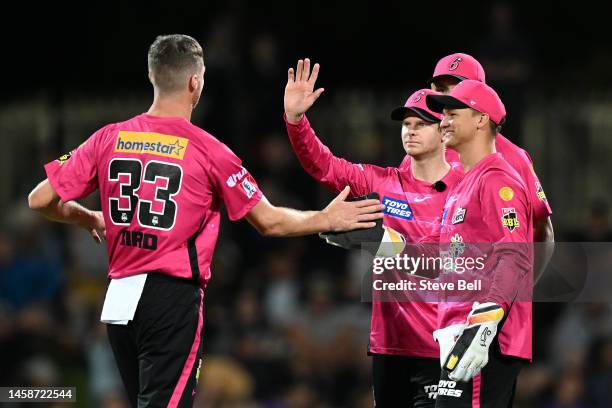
(397, 208)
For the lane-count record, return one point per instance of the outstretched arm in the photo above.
(339, 215)
(314, 156)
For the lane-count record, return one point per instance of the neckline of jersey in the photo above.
(424, 183)
(154, 118)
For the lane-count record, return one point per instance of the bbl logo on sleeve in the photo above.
(459, 216)
(397, 208)
(510, 219)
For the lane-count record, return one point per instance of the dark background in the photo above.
(100, 45)
(285, 326)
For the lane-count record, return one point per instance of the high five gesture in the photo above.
(299, 92)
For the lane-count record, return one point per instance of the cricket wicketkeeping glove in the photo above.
(379, 240)
(446, 338)
(471, 350)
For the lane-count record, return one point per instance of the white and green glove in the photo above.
(470, 352)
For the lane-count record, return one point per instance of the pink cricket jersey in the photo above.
(162, 181)
(413, 207)
(520, 160)
(488, 214)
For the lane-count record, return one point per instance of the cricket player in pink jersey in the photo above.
(162, 183)
(484, 342)
(405, 367)
(449, 71)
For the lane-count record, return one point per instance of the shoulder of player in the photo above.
(500, 181)
(502, 172)
(455, 174)
(111, 129)
(212, 146)
(515, 154)
(205, 142)
(102, 135)
(380, 171)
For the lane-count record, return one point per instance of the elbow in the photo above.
(269, 221)
(550, 232)
(272, 226)
(271, 230)
(543, 231)
(34, 201)
(42, 197)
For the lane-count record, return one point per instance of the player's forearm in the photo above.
(288, 222)
(45, 200)
(544, 237)
(69, 213)
(319, 162)
(510, 277)
(313, 155)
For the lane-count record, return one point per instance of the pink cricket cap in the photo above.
(470, 94)
(416, 103)
(459, 65)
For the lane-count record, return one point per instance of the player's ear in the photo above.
(483, 121)
(194, 81)
(151, 78)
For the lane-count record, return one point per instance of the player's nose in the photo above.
(445, 122)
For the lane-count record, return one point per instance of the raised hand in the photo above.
(299, 92)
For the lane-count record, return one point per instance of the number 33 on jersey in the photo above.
(162, 182)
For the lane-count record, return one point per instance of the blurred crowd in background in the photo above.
(284, 326)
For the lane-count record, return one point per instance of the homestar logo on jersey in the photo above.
(151, 143)
(397, 208)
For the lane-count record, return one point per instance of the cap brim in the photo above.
(400, 113)
(434, 79)
(437, 103)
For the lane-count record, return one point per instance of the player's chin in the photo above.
(412, 150)
(449, 140)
